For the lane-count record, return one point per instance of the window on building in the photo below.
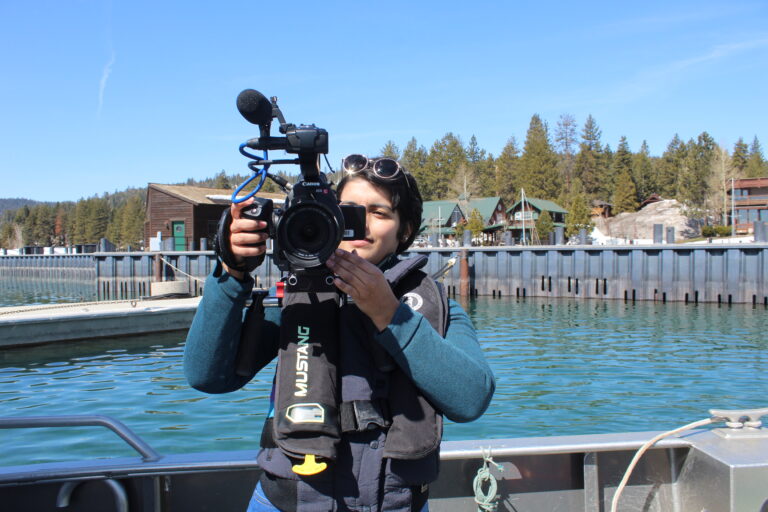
(742, 216)
(763, 215)
(752, 215)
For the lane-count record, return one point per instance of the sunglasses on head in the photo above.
(386, 168)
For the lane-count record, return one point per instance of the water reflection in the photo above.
(25, 291)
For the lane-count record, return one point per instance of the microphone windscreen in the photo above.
(254, 107)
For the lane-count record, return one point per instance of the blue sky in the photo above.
(99, 96)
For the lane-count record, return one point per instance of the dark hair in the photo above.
(403, 192)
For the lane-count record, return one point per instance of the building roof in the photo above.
(485, 205)
(205, 195)
(431, 210)
(541, 205)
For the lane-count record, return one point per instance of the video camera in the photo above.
(311, 223)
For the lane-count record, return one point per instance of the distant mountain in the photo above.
(15, 203)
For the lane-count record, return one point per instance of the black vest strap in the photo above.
(307, 389)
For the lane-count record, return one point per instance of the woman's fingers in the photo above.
(354, 270)
(246, 237)
(366, 284)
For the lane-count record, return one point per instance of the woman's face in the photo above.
(382, 222)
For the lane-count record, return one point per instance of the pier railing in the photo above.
(667, 272)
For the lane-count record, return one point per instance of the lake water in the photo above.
(27, 291)
(562, 367)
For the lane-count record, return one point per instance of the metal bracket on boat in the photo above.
(741, 423)
(121, 497)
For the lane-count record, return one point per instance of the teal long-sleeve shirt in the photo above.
(451, 372)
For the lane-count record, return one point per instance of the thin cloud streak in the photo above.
(654, 79)
(665, 21)
(103, 82)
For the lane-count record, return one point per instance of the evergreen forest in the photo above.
(569, 165)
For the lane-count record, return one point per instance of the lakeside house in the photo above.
(749, 201)
(439, 219)
(522, 216)
(492, 211)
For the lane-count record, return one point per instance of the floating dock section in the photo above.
(33, 325)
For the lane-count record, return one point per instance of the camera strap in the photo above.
(307, 389)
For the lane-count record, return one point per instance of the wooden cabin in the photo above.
(601, 208)
(186, 213)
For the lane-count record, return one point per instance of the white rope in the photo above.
(486, 501)
(644, 448)
(181, 271)
(27, 309)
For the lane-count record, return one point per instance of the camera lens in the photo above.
(309, 233)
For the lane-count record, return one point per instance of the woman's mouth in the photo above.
(360, 243)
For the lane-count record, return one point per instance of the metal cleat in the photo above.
(741, 423)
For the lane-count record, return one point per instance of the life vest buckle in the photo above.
(309, 467)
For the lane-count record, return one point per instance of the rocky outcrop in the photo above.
(639, 225)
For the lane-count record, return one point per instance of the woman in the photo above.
(392, 406)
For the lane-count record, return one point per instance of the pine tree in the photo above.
(740, 156)
(132, 225)
(669, 167)
(696, 166)
(97, 219)
(544, 225)
(589, 165)
(537, 169)
(622, 163)
(39, 225)
(475, 223)
(114, 232)
(642, 173)
(625, 195)
(7, 234)
(414, 158)
(565, 141)
(221, 180)
(390, 150)
(579, 213)
(482, 168)
(21, 215)
(445, 156)
(505, 170)
(608, 180)
(756, 166)
(78, 221)
(29, 228)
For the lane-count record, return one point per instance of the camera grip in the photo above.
(221, 246)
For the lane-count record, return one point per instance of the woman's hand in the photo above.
(244, 234)
(366, 284)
